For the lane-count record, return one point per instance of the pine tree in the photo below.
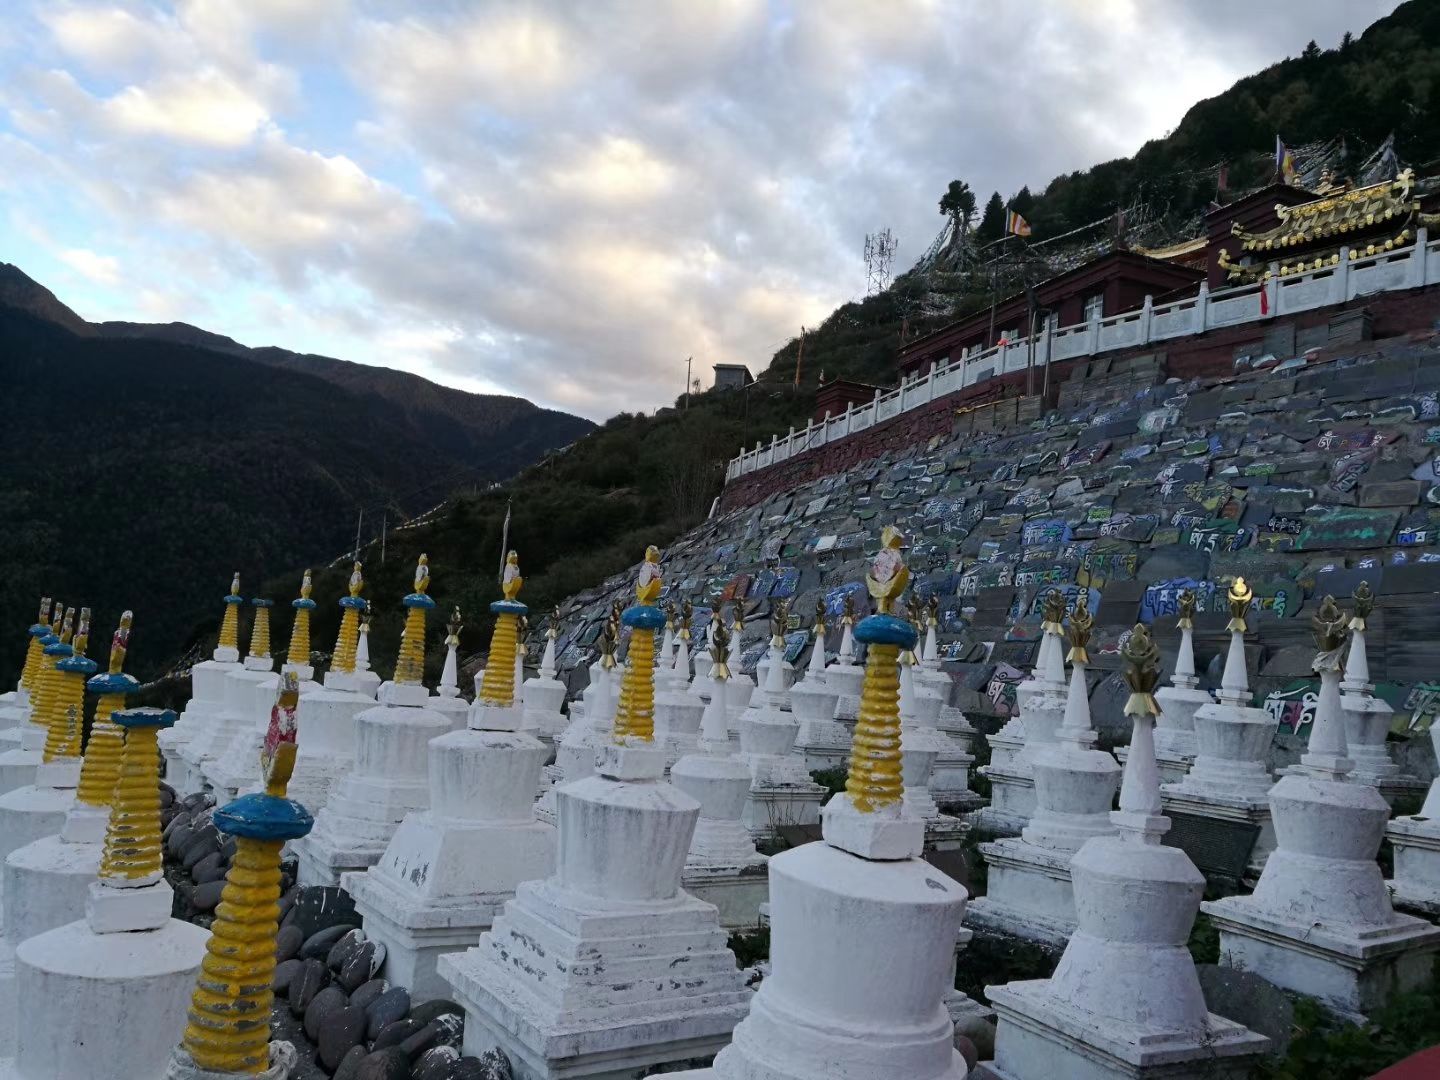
(992, 221)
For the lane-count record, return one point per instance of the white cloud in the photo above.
(101, 269)
(564, 200)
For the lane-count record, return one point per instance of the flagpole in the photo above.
(504, 542)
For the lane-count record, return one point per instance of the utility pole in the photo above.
(687, 382)
(358, 522)
(384, 520)
(799, 357)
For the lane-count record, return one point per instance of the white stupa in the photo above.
(722, 865)
(19, 763)
(1320, 920)
(449, 869)
(392, 762)
(1367, 717)
(1175, 746)
(15, 705)
(862, 930)
(1230, 779)
(823, 740)
(1030, 893)
(544, 695)
(607, 968)
(207, 691)
(1125, 1001)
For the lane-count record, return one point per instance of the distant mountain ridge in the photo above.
(141, 464)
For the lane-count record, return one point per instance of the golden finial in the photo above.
(1239, 596)
(410, 664)
(357, 580)
(57, 622)
(915, 608)
(554, 631)
(1329, 624)
(669, 610)
(511, 581)
(453, 628)
(81, 643)
(819, 619)
(235, 584)
(719, 647)
(779, 622)
(888, 573)
(687, 613)
(649, 583)
(1142, 674)
(1081, 623)
(67, 626)
(422, 575)
(1185, 610)
(1054, 612)
(847, 611)
(120, 644)
(305, 586)
(932, 608)
(607, 645)
(1364, 604)
(522, 628)
(738, 617)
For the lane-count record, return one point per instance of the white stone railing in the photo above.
(1391, 271)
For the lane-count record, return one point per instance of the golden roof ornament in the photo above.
(888, 574)
(1054, 612)
(1142, 672)
(1078, 631)
(1364, 604)
(1239, 597)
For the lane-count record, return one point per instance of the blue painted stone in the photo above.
(83, 664)
(508, 607)
(233, 599)
(117, 683)
(355, 602)
(416, 599)
(58, 648)
(50, 639)
(263, 817)
(258, 602)
(303, 602)
(886, 630)
(643, 617)
(39, 630)
(147, 717)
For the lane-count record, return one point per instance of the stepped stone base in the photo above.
(736, 891)
(1029, 893)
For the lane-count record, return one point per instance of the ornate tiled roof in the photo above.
(1334, 216)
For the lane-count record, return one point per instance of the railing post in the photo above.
(1271, 285)
(1092, 336)
(1416, 268)
(849, 415)
(1422, 237)
(825, 428)
(1147, 312)
(1202, 307)
(934, 366)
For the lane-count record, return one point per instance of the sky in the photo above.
(561, 201)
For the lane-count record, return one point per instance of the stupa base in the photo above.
(98, 979)
(182, 1066)
(17, 768)
(32, 813)
(1029, 893)
(1173, 765)
(772, 807)
(1039, 1038)
(1416, 885)
(737, 891)
(610, 1026)
(1012, 802)
(1351, 972)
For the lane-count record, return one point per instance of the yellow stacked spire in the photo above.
(132, 856)
(34, 651)
(410, 667)
(635, 710)
(47, 678)
(66, 730)
(299, 653)
(874, 781)
(103, 753)
(351, 606)
(260, 629)
(497, 686)
(230, 624)
(229, 1019)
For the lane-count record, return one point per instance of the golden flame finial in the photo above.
(820, 618)
(1142, 673)
(511, 581)
(1078, 630)
(1185, 610)
(357, 580)
(1054, 612)
(453, 628)
(120, 643)
(1364, 604)
(649, 583)
(888, 574)
(779, 622)
(235, 584)
(1329, 624)
(422, 575)
(1239, 597)
(306, 585)
(82, 635)
(720, 650)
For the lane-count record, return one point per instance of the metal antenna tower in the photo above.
(879, 260)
